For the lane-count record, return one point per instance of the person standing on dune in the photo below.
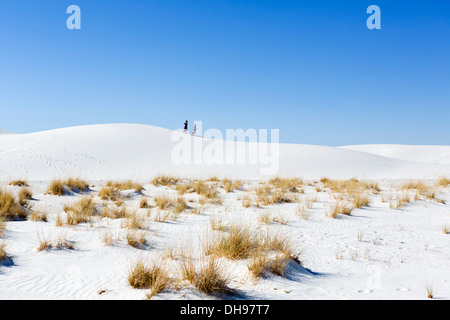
(185, 127)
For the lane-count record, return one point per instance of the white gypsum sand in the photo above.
(391, 249)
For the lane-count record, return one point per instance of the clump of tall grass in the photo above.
(230, 186)
(164, 202)
(163, 180)
(115, 213)
(286, 184)
(144, 204)
(61, 187)
(125, 185)
(59, 243)
(136, 239)
(112, 189)
(351, 186)
(340, 208)
(38, 216)
(401, 200)
(237, 244)
(273, 257)
(24, 196)
(153, 276)
(109, 193)
(80, 212)
(10, 208)
(240, 243)
(361, 200)
(209, 277)
(19, 183)
(443, 182)
(135, 221)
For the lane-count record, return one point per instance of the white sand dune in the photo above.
(4, 132)
(133, 151)
(429, 154)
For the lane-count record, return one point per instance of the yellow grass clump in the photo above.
(209, 276)
(153, 276)
(61, 187)
(163, 180)
(10, 209)
(80, 212)
(19, 183)
(443, 182)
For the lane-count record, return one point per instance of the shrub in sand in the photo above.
(361, 200)
(60, 187)
(136, 239)
(242, 243)
(286, 184)
(209, 276)
(109, 193)
(127, 185)
(154, 276)
(144, 204)
(340, 208)
(10, 209)
(443, 182)
(165, 181)
(352, 186)
(24, 196)
(19, 183)
(80, 212)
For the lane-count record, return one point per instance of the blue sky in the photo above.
(309, 68)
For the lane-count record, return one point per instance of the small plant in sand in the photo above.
(446, 229)
(61, 187)
(19, 183)
(143, 204)
(135, 221)
(137, 239)
(340, 208)
(165, 181)
(246, 200)
(431, 291)
(24, 196)
(443, 182)
(80, 212)
(286, 184)
(361, 200)
(61, 242)
(125, 185)
(108, 238)
(10, 209)
(163, 202)
(38, 216)
(145, 276)
(209, 276)
(109, 193)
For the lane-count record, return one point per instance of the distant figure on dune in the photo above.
(195, 130)
(185, 127)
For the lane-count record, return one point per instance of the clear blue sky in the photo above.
(309, 68)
